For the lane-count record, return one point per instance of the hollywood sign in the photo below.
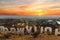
(29, 30)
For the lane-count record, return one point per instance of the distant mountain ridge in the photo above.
(30, 17)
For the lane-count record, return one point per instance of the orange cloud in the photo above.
(32, 10)
(53, 11)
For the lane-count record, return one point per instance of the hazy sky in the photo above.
(17, 5)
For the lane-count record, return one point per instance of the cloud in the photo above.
(40, 6)
(32, 6)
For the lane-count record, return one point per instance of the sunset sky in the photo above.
(30, 7)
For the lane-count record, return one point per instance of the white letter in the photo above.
(28, 29)
(20, 31)
(5, 30)
(12, 30)
(48, 28)
(35, 29)
(41, 29)
(57, 32)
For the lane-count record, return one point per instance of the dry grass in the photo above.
(30, 37)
